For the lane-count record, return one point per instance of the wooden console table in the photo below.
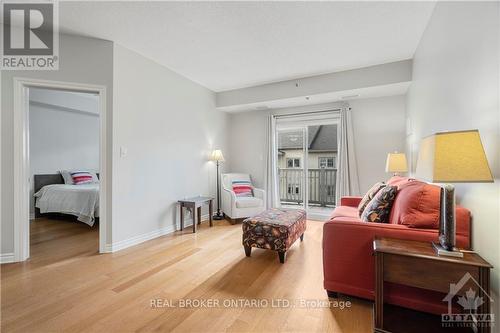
(195, 204)
(416, 264)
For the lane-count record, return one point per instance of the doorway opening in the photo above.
(64, 168)
(60, 167)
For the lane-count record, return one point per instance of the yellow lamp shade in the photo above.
(396, 162)
(453, 157)
(217, 156)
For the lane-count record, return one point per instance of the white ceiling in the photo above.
(229, 45)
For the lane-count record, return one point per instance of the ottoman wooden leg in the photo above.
(301, 237)
(282, 256)
(248, 250)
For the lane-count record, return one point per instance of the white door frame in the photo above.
(21, 159)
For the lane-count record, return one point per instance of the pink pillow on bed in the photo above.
(81, 177)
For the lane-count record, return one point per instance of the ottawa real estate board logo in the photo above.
(30, 36)
(468, 305)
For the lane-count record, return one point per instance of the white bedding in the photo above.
(81, 201)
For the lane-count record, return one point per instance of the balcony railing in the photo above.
(322, 183)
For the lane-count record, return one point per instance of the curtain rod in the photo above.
(304, 113)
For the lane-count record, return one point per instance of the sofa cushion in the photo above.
(369, 196)
(248, 202)
(345, 211)
(379, 208)
(417, 205)
(399, 181)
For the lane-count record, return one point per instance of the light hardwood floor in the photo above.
(67, 286)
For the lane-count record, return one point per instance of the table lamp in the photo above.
(396, 163)
(452, 157)
(217, 157)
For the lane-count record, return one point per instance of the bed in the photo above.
(53, 196)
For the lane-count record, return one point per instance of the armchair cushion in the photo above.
(248, 202)
(237, 207)
(242, 188)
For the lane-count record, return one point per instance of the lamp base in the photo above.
(447, 219)
(441, 251)
(218, 216)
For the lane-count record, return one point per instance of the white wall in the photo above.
(456, 86)
(82, 60)
(169, 126)
(62, 138)
(379, 128)
(378, 124)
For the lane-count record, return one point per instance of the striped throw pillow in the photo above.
(242, 188)
(81, 177)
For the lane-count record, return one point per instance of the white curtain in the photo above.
(272, 178)
(347, 170)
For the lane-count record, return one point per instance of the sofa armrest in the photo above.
(350, 201)
(348, 249)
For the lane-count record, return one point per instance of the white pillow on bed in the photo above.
(68, 180)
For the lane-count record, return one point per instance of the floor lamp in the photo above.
(218, 158)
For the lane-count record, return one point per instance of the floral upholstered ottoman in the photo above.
(274, 229)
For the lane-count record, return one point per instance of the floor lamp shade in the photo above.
(452, 157)
(396, 162)
(217, 156)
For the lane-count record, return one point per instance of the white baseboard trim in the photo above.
(6, 258)
(126, 243)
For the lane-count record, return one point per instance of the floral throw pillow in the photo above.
(379, 208)
(369, 196)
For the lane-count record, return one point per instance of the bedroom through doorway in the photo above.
(64, 162)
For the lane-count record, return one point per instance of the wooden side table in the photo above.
(416, 264)
(195, 204)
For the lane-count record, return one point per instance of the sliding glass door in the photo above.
(291, 161)
(307, 165)
(321, 168)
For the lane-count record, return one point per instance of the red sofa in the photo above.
(348, 261)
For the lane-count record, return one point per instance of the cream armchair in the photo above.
(240, 207)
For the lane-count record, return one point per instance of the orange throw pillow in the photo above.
(417, 205)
